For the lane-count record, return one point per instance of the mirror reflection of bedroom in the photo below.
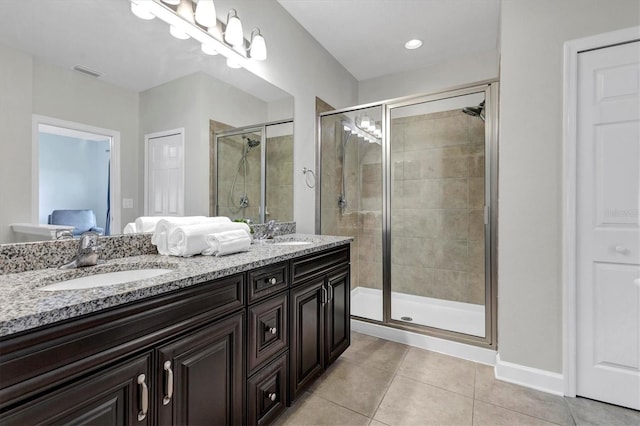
(73, 179)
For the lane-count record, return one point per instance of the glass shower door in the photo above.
(437, 208)
(351, 199)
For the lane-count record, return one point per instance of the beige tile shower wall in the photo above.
(230, 150)
(279, 188)
(333, 220)
(437, 206)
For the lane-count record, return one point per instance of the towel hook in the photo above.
(306, 172)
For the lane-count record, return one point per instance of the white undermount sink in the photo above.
(292, 243)
(105, 279)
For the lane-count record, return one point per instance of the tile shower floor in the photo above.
(379, 382)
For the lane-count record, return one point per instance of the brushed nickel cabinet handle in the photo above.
(169, 375)
(144, 398)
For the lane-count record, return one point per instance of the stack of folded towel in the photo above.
(193, 235)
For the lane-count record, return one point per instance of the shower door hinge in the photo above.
(486, 215)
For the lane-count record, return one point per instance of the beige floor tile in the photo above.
(355, 386)
(374, 422)
(491, 415)
(517, 398)
(408, 402)
(589, 412)
(375, 352)
(313, 410)
(447, 372)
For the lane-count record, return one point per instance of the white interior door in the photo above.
(165, 175)
(608, 249)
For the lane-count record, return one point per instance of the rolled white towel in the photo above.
(159, 237)
(130, 228)
(148, 223)
(189, 240)
(226, 240)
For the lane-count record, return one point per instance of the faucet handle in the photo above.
(89, 241)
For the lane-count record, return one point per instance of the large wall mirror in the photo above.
(91, 74)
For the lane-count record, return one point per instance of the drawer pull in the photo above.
(144, 398)
(272, 330)
(272, 396)
(271, 280)
(169, 375)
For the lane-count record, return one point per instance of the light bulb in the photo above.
(206, 13)
(364, 123)
(233, 33)
(208, 49)
(178, 33)
(258, 47)
(141, 11)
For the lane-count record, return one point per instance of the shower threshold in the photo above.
(460, 317)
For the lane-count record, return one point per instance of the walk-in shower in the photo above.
(253, 169)
(415, 190)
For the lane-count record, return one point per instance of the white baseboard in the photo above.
(542, 380)
(448, 347)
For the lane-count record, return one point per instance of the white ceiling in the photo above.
(367, 36)
(105, 36)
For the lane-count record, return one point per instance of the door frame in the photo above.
(178, 131)
(569, 190)
(114, 169)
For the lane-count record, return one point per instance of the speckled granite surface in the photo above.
(23, 257)
(24, 306)
(50, 254)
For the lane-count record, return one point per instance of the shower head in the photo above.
(251, 143)
(475, 111)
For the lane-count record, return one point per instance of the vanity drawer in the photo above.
(267, 331)
(267, 392)
(267, 280)
(316, 264)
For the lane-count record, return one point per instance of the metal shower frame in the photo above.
(491, 91)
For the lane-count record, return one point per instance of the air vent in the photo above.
(88, 71)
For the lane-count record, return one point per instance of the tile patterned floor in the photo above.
(378, 382)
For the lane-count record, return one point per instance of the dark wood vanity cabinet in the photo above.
(236, 350)
(320, 315)
(200, 376)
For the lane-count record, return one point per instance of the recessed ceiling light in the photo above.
(413, 44)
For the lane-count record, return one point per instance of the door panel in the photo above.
(608, 237)
(165, 184)
(338, 320)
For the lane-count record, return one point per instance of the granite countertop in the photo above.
(24, 306)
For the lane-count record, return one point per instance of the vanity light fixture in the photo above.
(206, 13)
(359, 131)
(141, 12)
(258, 47)
(233, 33)
(198, 20)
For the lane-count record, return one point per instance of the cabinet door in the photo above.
(200, 376)
(114, 396)
(307, 334)
(337, 315)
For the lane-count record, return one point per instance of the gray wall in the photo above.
(530, 211)
(16, 75)
(190, 102)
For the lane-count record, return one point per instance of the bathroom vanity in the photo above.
(230, 340)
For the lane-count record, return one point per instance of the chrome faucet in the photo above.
(268, 232)
(88, 252)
